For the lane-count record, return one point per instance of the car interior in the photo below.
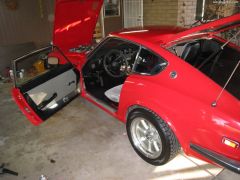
(213, 59)
(107, 69)
(109, 66)
(112, 61)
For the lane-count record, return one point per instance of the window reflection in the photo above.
(111, 8)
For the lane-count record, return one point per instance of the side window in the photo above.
(115, 56)
(127, 48)
(148, 63)
(35, 64)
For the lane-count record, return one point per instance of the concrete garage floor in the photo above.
(81, 142)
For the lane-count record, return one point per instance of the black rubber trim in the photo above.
(44, 115)
(45, 77)
(46, 102)
(218, 158)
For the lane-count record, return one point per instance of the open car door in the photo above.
(45, 81)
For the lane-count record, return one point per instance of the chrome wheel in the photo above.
(146, 138)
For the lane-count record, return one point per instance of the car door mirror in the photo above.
(52, 61)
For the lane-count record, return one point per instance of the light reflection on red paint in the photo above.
(87, 19)
(219, 121)
(66, 28)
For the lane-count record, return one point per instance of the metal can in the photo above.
(11, 74)
(20, 75)
(43, 177)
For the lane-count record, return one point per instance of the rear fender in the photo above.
(129, 102)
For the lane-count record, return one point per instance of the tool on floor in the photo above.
(7, 171)
(43, 177)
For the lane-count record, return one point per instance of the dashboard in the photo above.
(97, 63)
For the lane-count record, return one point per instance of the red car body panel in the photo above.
(174, 99)
(75, 22)
(25, 108)
(184, 102)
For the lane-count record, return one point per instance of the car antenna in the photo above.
(234, 36)
(215, 53)
(214, 103)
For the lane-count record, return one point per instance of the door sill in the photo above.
(101, 103)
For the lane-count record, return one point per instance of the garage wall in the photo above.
(28, 23)
(182, 12)
(10, 52)
(114, 23)
(186, 12)
(221, 9)
(160, 12)
(213, 10)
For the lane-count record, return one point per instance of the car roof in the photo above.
(166, 34)
(152, 34)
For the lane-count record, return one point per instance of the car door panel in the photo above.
(60, 85)
(53, 94)
(41, 96)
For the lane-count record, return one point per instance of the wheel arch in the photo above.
(162, 115)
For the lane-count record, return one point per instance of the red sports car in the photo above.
(173, 87)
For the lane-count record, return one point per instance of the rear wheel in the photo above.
(151, 137)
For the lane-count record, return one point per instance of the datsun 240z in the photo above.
(173, 87)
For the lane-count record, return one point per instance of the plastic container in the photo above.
(11, 74)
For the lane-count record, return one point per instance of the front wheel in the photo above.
(151, 137)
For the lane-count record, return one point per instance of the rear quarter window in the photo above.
(148, 63)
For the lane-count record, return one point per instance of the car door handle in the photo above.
(71, 82)
(46, 102)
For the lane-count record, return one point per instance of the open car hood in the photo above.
(75, 21)
(212, 28)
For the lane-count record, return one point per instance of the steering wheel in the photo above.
(115, 63)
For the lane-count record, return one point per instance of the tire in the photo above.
(163, 146)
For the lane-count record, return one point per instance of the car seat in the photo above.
(114, 93)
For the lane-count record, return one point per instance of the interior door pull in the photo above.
(72, 82)
(46, 102)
